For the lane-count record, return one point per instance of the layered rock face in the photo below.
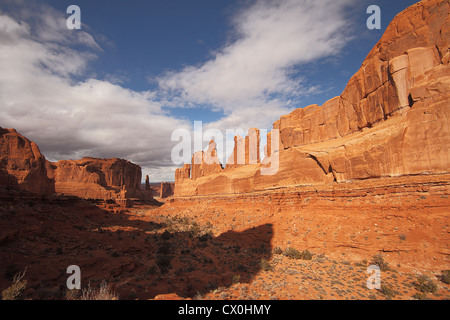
(358, 219)
(167, 189)
(99, 179)
(391, 119)
(22, 166)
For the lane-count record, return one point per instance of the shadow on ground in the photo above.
(137, 256)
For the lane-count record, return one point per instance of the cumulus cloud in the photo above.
(255, 73)
(70, 119)
(253, 79)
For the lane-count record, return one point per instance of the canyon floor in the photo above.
(289, 243)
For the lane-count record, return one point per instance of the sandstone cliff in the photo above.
(391, 119)
(167, 189)
(99, 179)
(22, 166)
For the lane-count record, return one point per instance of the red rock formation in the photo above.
(167, 189)
(391, 119)
(237, 157)
(358, 219)
(245, 151)
(22, 166)
(252, 146)
(205, 163)
(182, 174)
(99, 179)
(147, 183)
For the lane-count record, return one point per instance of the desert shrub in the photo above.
(277, 250)
(223, 295)
(445, 276)
(198, 296)
(14, 291)
(163, 263)
(420, 296)
(205, 237)
(388, 291)
(425, 284)
(236, 278)
(379, 261)
(292, 253)
(73, 294)
(265, 265)
(402, 236)
(306, 255)
(103, 293)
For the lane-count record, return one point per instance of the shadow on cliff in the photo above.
(137, 256)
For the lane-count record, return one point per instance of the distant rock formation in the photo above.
(147, 183)
(167, 189)
(22, 166)
(391, 119)
(99, 179)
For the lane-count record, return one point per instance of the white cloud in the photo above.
(69, 119)
(251, 79)
(272, 38)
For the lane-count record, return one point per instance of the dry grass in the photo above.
(103, 293)
(14, 291)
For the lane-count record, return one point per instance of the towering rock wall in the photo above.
(246, 150)
(167, 189)
(391, 119)
(99, 179)
(22, 166)
(147, 183)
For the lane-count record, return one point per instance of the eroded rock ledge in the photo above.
(23, 167)
(391, 119)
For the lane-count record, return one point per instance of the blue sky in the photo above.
(138, 70)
